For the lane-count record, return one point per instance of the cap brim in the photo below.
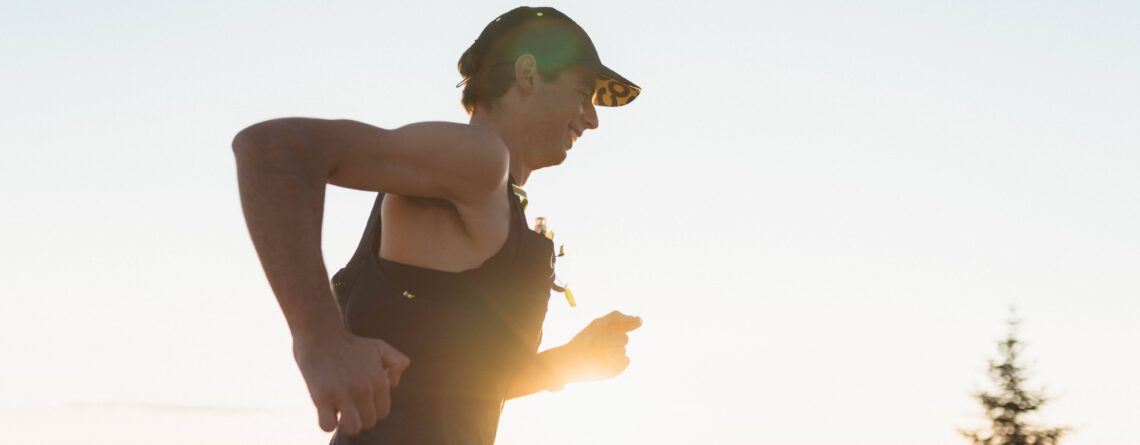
(611, 89)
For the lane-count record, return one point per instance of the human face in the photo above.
(564, 110)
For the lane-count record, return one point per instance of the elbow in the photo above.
(269, 135)
(253, 138)
(286, 144)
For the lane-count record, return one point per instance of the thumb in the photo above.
(618, 322)
(606, 321)
(627, 323)
(395, 363)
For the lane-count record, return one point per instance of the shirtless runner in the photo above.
(531, 83)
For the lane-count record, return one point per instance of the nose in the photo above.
(590, 116)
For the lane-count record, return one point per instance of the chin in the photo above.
(555, 158)
(559, 156)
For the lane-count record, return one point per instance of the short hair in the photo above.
(488, 68)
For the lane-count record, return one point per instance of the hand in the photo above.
(598, 351)
(349, 375)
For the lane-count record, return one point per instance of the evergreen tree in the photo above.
(1008, 406)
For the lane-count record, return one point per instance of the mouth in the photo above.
(574, 135)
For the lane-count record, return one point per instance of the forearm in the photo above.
(282, 186)
(544, 373)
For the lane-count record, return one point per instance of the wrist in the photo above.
(317, 331)
(552, 364)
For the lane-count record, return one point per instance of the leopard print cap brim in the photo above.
(613, 90)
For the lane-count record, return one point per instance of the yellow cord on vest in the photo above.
(569, 296)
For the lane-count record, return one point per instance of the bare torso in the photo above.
(437, 234)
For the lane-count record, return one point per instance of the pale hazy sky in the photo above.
(820, 209)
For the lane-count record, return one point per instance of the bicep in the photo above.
(430, 159)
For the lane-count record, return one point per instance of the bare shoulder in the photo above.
(465, 228)
(471, 160)
(463, 164)
(454, 132)
(456, 162)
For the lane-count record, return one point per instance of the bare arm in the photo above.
(283, 166)
(595, 353)
(544, 373)
(281, 180)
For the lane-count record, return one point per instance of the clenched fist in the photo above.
(349, 376)
(598, 351)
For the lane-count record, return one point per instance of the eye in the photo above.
(586, 95)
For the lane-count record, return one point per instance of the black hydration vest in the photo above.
(467, 333)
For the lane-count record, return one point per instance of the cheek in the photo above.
(558, 117)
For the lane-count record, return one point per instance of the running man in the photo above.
(437, 319)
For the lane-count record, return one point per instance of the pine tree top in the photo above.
(1007, 406)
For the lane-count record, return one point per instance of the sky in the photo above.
(822, 211)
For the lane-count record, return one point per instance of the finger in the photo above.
(602, 321)
(366, 408)
(622, 364)
(326, 416)
(616, 354)
(626, 323)
(617, 363)
(349, 419)
(381, 399)
(609, 341)
(608, 320)
(395, 362)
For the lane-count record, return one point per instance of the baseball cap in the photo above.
(555, 39)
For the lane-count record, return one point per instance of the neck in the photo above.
(511, 136)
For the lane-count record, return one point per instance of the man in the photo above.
(450, 216)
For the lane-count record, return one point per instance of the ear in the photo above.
(526, 72)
